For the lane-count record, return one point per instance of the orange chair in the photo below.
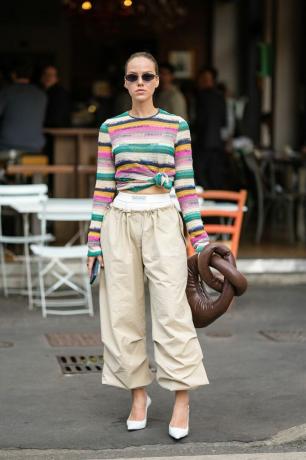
(235, 217)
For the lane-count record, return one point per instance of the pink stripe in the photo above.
(185, 197)
(182, 165)
(107, 155)
(143, 169)
(195, 239)
(182, 153)
(103, 198)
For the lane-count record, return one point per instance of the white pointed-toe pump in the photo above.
(139, 424)
(178, 433)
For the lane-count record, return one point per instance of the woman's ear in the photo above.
(157, 82)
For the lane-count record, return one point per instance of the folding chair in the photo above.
(10, 195)
(55, 274)
(270, 196)
(223, 210)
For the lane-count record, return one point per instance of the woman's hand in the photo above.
(90, 262)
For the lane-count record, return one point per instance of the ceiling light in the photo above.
(127, 3)
(86, 6)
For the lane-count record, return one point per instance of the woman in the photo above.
(141, 154)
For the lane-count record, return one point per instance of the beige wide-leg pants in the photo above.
(147, 242)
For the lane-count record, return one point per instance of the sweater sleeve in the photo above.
(104, 190)
(185, 188)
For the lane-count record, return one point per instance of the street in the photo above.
(255, 403)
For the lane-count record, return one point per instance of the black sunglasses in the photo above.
(132, 77)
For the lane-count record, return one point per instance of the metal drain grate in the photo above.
(80, 364)
(84, 364)
(74, 339)
(285, 336)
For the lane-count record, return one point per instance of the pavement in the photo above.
(84, 455)
(253, 409)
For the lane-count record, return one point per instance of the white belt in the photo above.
(141, 202)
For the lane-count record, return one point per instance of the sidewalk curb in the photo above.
(289, 436)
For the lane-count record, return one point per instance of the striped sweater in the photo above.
(136, 153)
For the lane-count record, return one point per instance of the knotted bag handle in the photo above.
(206, 309)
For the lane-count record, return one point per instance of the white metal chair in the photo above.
(10, 195)
(55, 274)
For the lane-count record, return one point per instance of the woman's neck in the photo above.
(143, 110)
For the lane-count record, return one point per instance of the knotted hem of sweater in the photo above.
(163, 180)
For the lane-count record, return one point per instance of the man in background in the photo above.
(22, 113)
(58, 112)
(209, 155)
(168, 96)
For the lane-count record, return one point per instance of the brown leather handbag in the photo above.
(206, 309)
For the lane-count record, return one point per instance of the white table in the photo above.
(57, 209)
(66, 209)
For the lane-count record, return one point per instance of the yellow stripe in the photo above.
(183, 147)
(93, 233)
(104, 148)
(102, 193)
(198, 232)
(186, 192)
(141, 123)
(131, 165)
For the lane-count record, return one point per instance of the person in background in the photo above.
(58, 114)
(209, 156)
(169, 97)
(22, 112)
(228, 131)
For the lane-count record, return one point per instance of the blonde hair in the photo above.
(144, 54)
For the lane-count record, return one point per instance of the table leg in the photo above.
(28, 260)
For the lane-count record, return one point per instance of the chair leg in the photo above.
(42, 289)
(28, 261)
(3, 270)
(52, 295)
(29, 275)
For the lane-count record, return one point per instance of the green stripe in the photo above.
(136, 188)
(143, 148)
(104, 128)
(94, 253)
(192, 216)
(97, 217)
(183, 125)
(105, 176)
(189, 174)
